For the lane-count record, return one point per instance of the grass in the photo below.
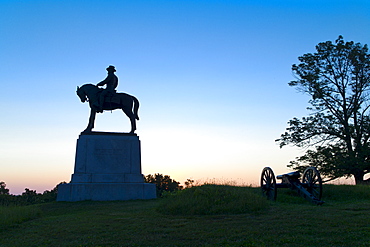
(17, 214)
(211, 200)
(344, 220)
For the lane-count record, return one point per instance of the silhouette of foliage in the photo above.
(3, 189)
(336, 133)
(28, 197)
(189, 183)
(163, 183)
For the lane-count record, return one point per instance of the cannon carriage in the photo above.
(310, 186)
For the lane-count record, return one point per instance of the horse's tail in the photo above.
(136, 107)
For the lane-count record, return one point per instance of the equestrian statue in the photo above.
(108, 99)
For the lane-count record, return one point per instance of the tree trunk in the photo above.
(359, 178)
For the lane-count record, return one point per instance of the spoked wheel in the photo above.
(311, 180)
(268, 183)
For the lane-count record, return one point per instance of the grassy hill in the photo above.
(203, 216)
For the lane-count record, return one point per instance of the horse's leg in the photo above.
(131, 116)
(90, 126)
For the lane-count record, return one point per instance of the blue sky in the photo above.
(211, 77)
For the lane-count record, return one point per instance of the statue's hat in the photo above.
(111, 68)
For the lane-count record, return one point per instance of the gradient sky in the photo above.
(211, 76)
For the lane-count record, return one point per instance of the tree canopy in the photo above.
(163, 183)
(336, 133)
(28, 197)
(3, 189)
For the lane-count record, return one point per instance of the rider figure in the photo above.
(112, 82)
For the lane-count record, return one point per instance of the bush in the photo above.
(213, 200)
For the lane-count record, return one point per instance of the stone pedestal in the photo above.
(107, 167)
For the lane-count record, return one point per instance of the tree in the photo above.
(51, 195)
(3, 189)
(31, 196)
(163, 183)
(189, 183)
(336, 133)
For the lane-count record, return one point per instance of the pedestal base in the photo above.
(73, 192)
(107, 168)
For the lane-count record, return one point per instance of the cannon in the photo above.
(310, 186)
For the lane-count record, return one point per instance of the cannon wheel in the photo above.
(312, 180)
(268, 183)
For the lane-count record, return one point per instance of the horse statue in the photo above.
(128, 103)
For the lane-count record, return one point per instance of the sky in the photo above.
(211, 77)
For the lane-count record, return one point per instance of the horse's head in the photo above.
(81, 94)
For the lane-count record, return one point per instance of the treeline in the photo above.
(28, 197)
(164, 184)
